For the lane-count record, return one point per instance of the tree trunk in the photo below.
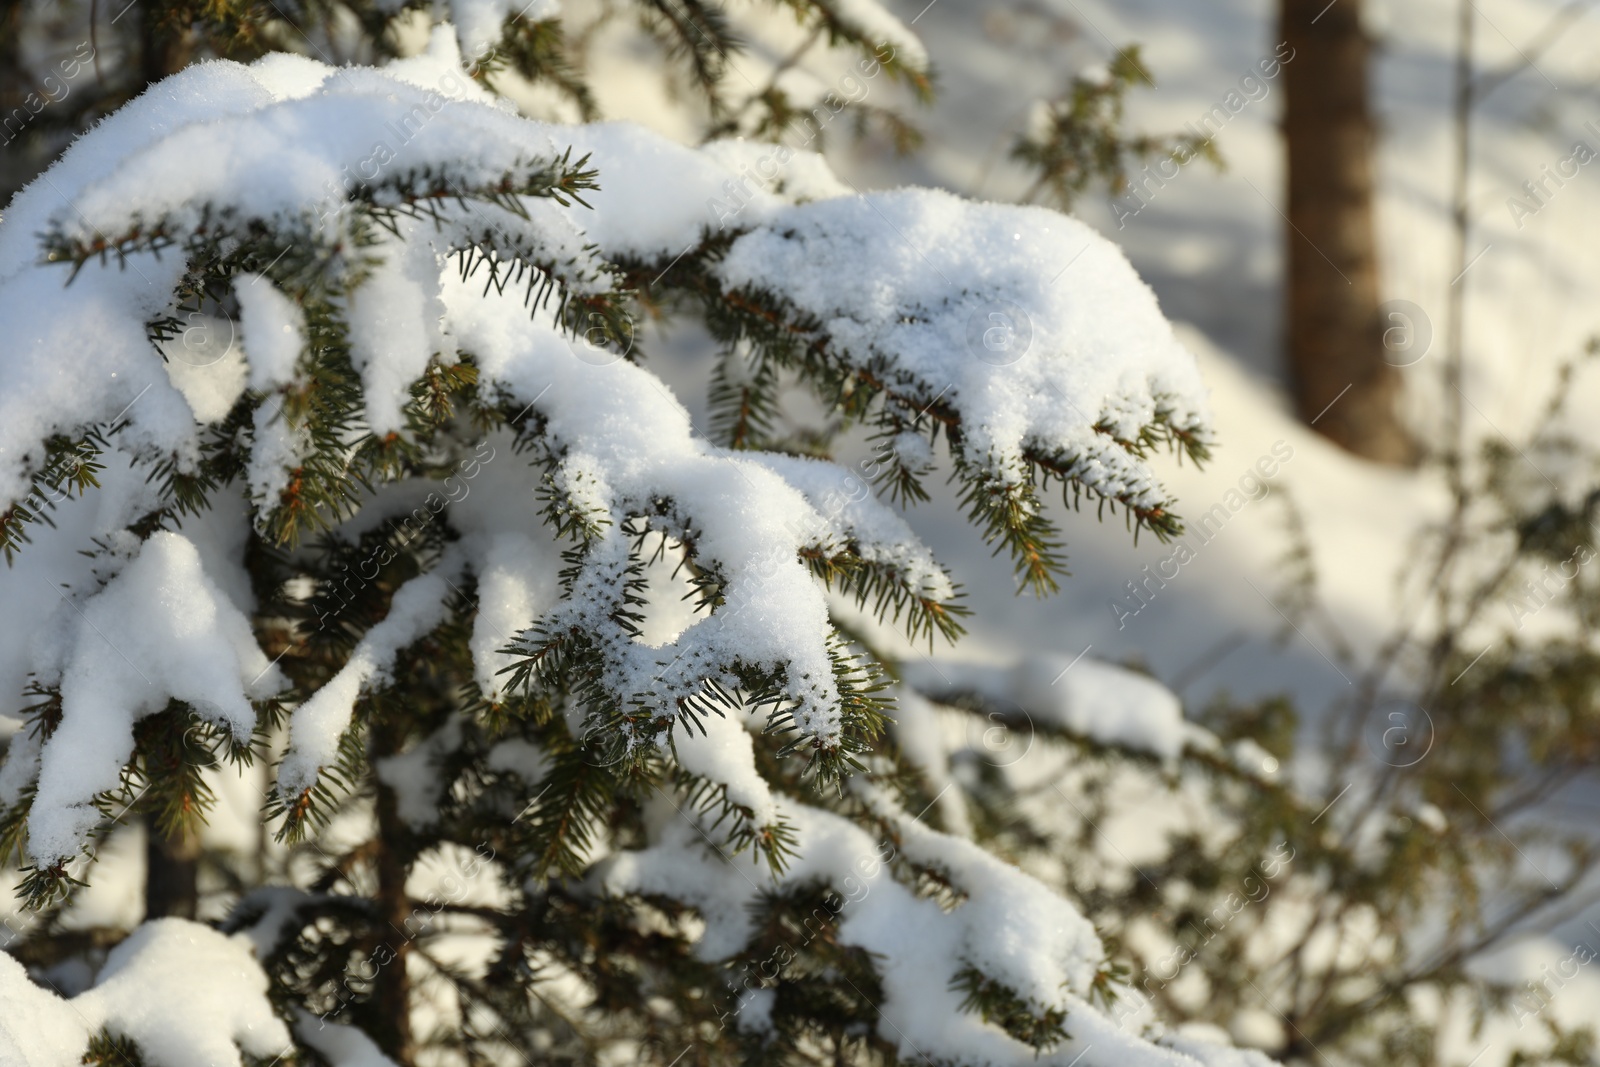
(391, 1000)
(172, 867)
(1342, 380)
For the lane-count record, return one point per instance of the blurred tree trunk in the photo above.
(1335, 337)
(172, 866)
(391, 994)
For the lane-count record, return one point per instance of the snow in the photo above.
(38, 1028)
(1015, 930)
(917, 731)
(276, 907)
(722, 751)
(479, 22)
(341, 1046)
(394, 321)
(856, 518)
(1011, 927)
(1030, 324)
(521, 758)
(413, 775)
(1213, 1049)
(316, 726)
(877, 26)
(206, 365)
(160, 630)
(278, 449)
(216, 980)
(185, 994)
(516, 584)
(794, 173)
(1082, 696)
(656, 197)
(271, 329)
(627, 441)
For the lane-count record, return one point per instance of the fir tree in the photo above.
(572, 748)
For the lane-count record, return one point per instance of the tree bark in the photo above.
(391, 1000)
(171, 874)
(1340, 371)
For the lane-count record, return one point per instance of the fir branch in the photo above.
(1039, 1027)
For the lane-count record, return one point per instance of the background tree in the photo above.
(1333, 329)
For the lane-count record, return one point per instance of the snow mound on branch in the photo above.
(413, 775)
(919, 279)
(160, 630)
(1089, 698)
(632, 443)
(855, 516)
(340, 1045)
(37, 1028)
(1012, 929)
(1030, 324)
(480, 23)
(516, 584)
(213, 992)
(657, 198)
(201, 93)
(795, 173)
(272, 330)
(184, 993)
(877, 26)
